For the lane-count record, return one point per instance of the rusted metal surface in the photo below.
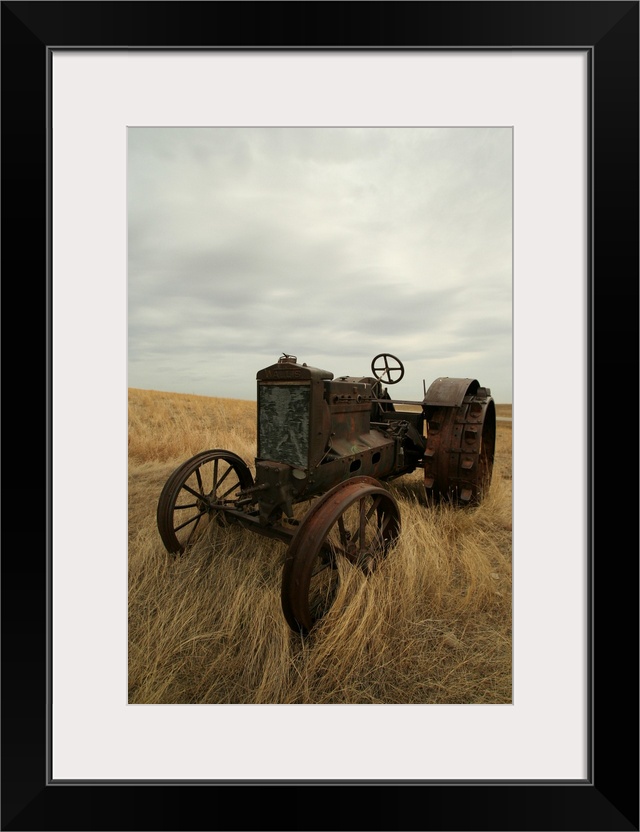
(339, 440)
(450, 392)
(460, 450)
(358, 521)
(196, 492)
(387, 368)
(280, 405)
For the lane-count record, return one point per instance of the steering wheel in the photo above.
(384, 368)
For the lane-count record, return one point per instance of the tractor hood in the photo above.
(287, 369)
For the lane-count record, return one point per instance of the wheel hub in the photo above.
(204, 504)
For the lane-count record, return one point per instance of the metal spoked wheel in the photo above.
(357, 520)
(195, 494)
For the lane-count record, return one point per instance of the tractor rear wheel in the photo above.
(196, 493)
(355, 522)
(461, 442)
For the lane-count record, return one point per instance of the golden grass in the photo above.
(431, 625)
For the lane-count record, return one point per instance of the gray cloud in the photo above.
(331, 244)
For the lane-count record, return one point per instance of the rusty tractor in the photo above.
(334, 442)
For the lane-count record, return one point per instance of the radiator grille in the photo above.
(283, 428)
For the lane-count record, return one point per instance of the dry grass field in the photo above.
(431, 625)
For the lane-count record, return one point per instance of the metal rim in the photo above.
(194, 493)
(357, 520)
(460, 451)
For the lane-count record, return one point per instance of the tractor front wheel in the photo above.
(196, 493)
(356, 522)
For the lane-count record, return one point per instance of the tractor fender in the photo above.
(451, 392)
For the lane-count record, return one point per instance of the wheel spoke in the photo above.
(344, 534)
(363, 523)
(197, 494)
(186, 505)
(192, 532)
(360, 531)
(228, 491)
(218, 482)
(195, 519)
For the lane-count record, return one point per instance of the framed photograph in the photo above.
(92, 92)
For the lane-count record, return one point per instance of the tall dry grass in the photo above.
(431, 625)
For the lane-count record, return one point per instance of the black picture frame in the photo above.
(608, 798)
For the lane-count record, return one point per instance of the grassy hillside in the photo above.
(431, 625)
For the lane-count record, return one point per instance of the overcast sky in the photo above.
(331, 244)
